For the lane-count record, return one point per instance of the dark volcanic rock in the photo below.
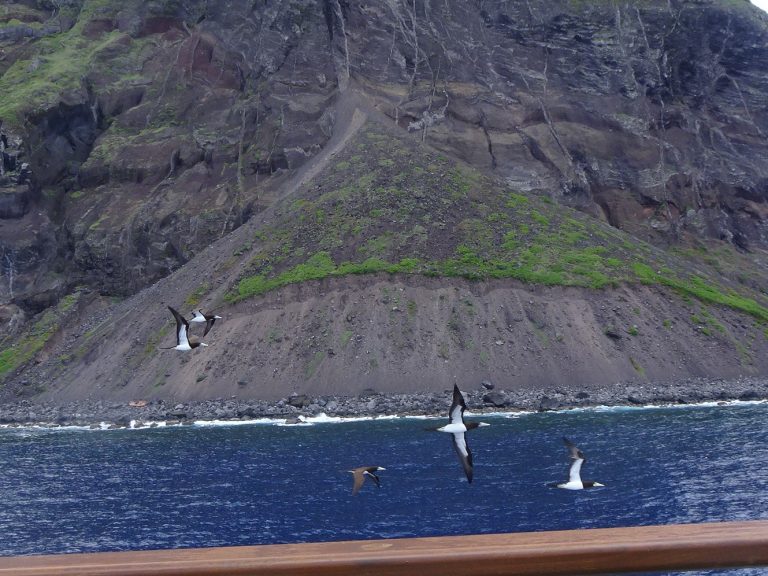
(88, 413)
(613, 333)
(749, 395)
(299, 400)
(649, 115)
(547, 403)
(14, 202)
(498, 399)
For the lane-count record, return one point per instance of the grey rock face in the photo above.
(649, 115)
(14, 202)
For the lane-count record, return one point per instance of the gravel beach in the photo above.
(482, 397)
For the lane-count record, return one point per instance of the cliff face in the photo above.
(137, 134)
(150, 131)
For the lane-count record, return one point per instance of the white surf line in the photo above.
(323, 418)
(632, 408)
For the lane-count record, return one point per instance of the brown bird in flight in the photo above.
(361, 473)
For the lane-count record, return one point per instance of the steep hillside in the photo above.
(390, 266)
(386, 194)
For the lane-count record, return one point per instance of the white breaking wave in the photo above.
(625, 408)
(323, 418)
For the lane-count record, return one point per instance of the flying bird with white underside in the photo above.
(199, 317)
(574, 474)
(183, 341)
(457, 427)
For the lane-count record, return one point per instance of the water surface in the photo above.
(67, 490)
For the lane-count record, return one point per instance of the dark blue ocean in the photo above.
(72, 490)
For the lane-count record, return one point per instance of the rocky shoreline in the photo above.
(482, 398)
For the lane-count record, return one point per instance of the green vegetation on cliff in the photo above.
(18, 350)
(58, 64)
(389, 205)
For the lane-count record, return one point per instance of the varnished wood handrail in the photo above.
(593, 551)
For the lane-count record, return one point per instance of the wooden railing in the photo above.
(593, 551)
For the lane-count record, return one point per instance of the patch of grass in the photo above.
(539, 218)
(154, 340)
(377, 246)
(195, 297)
(515, 200)
(636, 365)
(273, 336)
(712, 321)
(701, 290)
(32, 340)
(345, 337)
(317, 266)
(314, 363)
(425, 215)
(57, 64)
(97, 224)
(744, 353)
(368, 266)
(494, 217)
(68, 302)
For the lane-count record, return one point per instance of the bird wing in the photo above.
(456, 411)
(357, 474)
(208, 324)
(198, 316)
(573, 450)
(373, 476)
(181, 328)
(574, 474)
(464, 453)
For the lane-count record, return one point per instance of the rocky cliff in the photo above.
(441, 139)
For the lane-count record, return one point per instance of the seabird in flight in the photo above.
(361, 473)
(209, 319)
(457, 427)
(183, 341)
(574, 475)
